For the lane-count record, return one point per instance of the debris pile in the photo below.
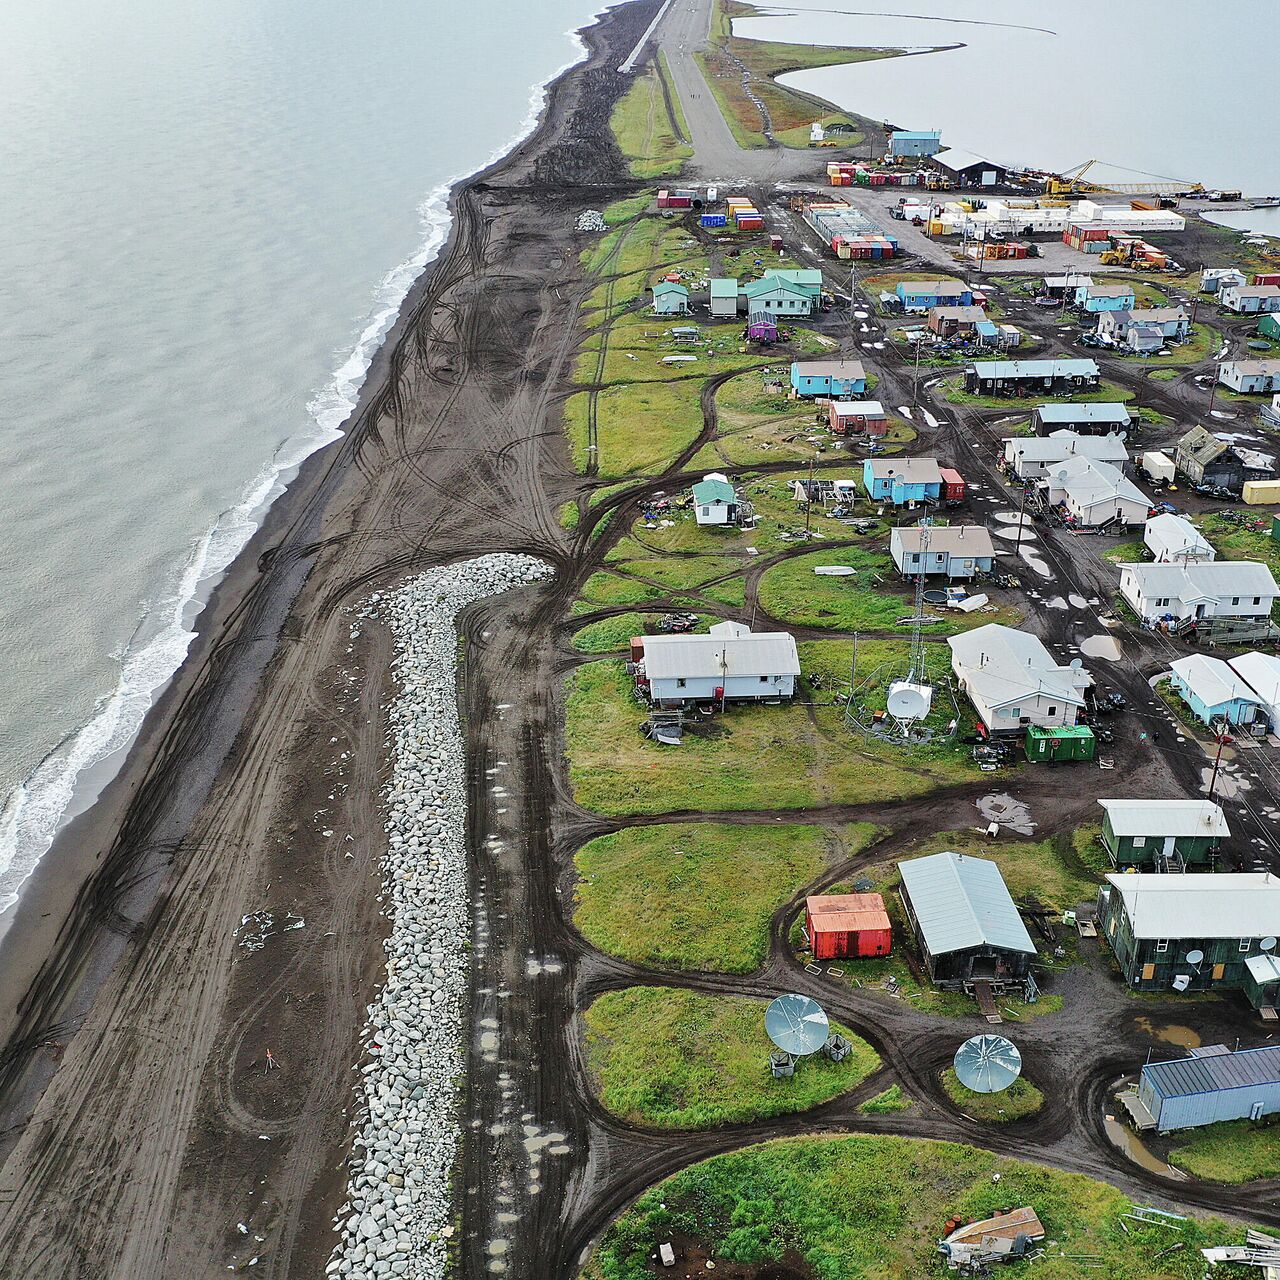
(396, 1219)
(590, 220)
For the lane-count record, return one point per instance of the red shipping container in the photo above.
(664, 200)
(848, 924)
(953, 489)
(1267, 277)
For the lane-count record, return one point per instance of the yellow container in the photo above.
(1261, 493)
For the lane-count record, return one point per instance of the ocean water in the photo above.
(1168, 89)
(208, 217)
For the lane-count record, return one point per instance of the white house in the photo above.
(1029, 457)
(729, 664)
(1173, 323)
(714, 500)
(1095, 493)
(1174, 540)
(1013, 681)
(1176, 593)
(1250, 298)
(955, 551)
(1261, 672)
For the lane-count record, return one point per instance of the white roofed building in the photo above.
(1166, 835)
(1175, 540)
(1094, 493)
(1213, 691)
(730, 663)
(1013, 681)
(1225, 595)
(1261, 672)
(1030, 457)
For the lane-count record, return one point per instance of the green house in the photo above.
(1191, 933)
(1060, 742)
(1162, 834)
(1269, 326)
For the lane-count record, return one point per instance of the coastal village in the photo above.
(755, 754)
(957, 558)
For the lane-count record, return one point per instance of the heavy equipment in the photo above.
(1073, 182)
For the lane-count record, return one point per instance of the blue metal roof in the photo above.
(918, 135)
(1215, 1072)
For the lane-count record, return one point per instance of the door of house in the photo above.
(1169, 842)
(1255, 1111)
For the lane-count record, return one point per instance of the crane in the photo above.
(1072, 182)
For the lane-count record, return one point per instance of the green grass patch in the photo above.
(1131, 551)
(611, 635)
(1019, 1100)
(888, 1103)
(1235, 542)
(646, 134)
(872, 1208)
(1235, 1151)
(783, 757)
(609, 588)
(1165, 375)
(699, 895)
(674, 1059)
(568, 515)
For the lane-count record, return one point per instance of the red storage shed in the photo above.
(848, 925)
(953, 489)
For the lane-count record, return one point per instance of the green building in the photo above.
(1060, 742)
(1269, 326)
(1190, 933)
(1163, 835)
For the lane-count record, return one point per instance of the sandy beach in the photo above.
(135, 1025)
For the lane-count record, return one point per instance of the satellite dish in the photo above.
(909, 701)
(796, 1024)
(1077, 663)
(1268, 944)
(1195, 957)
(1181, 981)
(988, 1064)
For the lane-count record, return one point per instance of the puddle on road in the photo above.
(1008, 812)
(1013, 518)
(1034, 561)
(1012, 534)
(1124, 1138)
(1078, 602)
(1170, 1033)
(1102, 646)
(1056, 603)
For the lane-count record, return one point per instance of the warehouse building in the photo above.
(965, 922)
(1213, 1084)
(1188, 933)
(1164, 835)
(847, 926)
(908, 143)
(968, 170)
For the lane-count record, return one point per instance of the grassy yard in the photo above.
(1232, 542)
(674, 1059)
(652, 141)
(888, 1103)
(1236, 1151)
(1020, 1099)
(699, 895)
(799, 136)
(872, 1208)
(1203, 341)
(604, 588)
(873, 600)
(1131, 551)
(784, 757)
(1108, 392)
(613, 635)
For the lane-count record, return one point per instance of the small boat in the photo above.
(835, 570)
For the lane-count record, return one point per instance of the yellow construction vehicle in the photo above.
(1072, 182)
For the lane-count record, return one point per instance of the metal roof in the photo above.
(1002, 664)
(1175, 534)
(669, 286)
(961, 902)
(1211, 680)
(1209, 580)
(940, 288)
(770, 283)
(1202, 445)
(1184, 1077)
(1261, 672)
(1105, 412)
(1255, 290)
(912, 470)
(850, 369)
(1264, 367)
(1263, 969)
(1109, 290)
(1166, 818)
(1228, 904)
(858, 409)
(917, 134)
(711, 489)
(723, 287)
(1058, 446)
(955, 160)
(735, 651)
(973, 313)
(1036, 368)
(954, 539)
(1089, 482)
(846, 912)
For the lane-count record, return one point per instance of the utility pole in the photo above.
(1213, 388)
(1022, 506)
(1223, 739)
(915, 375)
(808, 510)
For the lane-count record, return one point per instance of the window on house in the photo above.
(1053, 711)
(1162, 945)
(764, 679)
(1235, 599)
(1245, 944)
(1139, 842)
(1257, 599)
(680, 684)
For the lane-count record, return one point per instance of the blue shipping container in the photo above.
(714, 220)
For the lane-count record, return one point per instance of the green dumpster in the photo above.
(1066, 742)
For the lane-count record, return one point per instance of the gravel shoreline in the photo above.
(396, 1221)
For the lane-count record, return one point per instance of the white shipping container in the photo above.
(1159, 466)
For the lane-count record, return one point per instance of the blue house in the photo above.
(839, 379)
(924, 295)
(1105, 297)
(915, 142)
(902, 480)
(1213, 691)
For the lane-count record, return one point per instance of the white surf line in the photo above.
(630, 64)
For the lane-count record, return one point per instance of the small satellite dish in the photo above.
(1077, 663)
(988, 1064)
(796, 1024)
(1268, 944)
(1195, 957)
(1181, 981)
(909, 701)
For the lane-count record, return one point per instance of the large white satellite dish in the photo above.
(908, 700)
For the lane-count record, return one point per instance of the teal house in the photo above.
(1162, 835)
(902, 480)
